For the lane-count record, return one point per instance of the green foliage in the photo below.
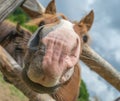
(30, 28)
(20, 17)
(84, 95)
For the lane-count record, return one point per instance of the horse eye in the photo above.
(85, 38)
(41, 23)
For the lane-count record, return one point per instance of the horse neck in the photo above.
(70, 90)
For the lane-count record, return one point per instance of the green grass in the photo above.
(1, 79)
(16, 92)
(84, 95)
(13, 91)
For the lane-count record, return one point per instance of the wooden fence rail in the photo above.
(8, 6)
(96, 63)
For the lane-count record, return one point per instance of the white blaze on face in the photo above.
(67, 24)
(62, 53)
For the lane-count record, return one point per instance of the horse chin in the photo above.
(37, 87)
(38, 76)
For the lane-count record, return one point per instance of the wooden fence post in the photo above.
(96, 63)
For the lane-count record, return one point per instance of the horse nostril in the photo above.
(42, 52)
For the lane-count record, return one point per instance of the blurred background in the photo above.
(105, 34)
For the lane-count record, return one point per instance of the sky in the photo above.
(105, 34)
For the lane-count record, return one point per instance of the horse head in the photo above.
(14, 39)
(53, 53)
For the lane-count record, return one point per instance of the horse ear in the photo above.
(51, 8)
(19, 29)
(87, 20)
(84, 26)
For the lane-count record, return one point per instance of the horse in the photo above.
(8, 40)
(14, 39)
(43, 80)
(68, 90)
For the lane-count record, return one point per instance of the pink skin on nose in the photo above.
(62, 51)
